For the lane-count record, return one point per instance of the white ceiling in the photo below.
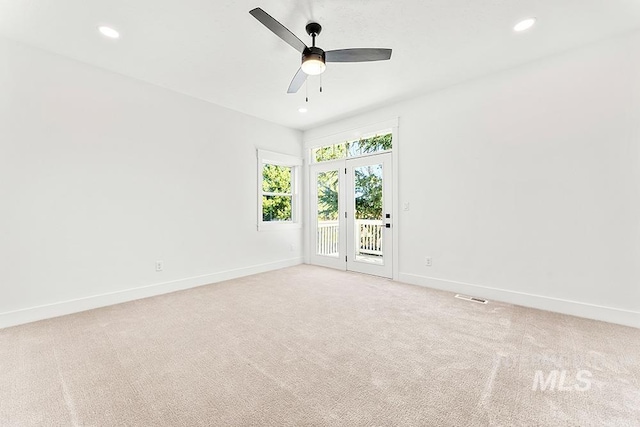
(214, 50)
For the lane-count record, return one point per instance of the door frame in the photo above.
(352, 133)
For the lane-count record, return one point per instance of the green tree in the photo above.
(370, 145)
(328, 196)
(368, 181)
(277, 198)
(331, 152)
(368, 189)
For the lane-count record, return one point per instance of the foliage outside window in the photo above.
(277, 194)
(277, 190)
(368, 192)
(328, 187)
(360, 147)
(368, 189)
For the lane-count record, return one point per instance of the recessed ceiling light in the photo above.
(524, 25)
(302, 110)
(109, 32)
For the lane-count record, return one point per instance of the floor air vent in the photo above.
(472, 299)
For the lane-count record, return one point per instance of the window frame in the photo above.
(286, 160)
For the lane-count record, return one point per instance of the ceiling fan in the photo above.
(314, 59)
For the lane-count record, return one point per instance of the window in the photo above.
(367, 145)
(278, 198)
(277, 193)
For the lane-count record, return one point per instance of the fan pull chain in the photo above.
(320, 83)
(306, 88)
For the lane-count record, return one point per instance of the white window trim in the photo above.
(295, 163)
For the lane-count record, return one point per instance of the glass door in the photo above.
(351, 209)
(368, 212)
(327, 223)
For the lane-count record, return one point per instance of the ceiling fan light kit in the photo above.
(314, 59)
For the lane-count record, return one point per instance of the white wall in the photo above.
(525, 186)
(102, 175)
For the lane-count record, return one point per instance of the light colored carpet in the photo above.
(308, 346)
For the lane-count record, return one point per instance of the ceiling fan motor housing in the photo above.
(313, 52)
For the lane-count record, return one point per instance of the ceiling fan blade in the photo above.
(278, 29)
(358, 55)
(298, 81)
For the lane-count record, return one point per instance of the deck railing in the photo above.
(327, 242)
(368, 235)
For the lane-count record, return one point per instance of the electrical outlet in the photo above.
(428, 261)
(159, 265)
(292, 247)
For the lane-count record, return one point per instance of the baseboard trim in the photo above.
(574, 308)
(32, 314)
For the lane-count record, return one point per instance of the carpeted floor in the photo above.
(308, 346)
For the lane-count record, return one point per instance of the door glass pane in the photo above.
(327, 242)
(368, 214)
